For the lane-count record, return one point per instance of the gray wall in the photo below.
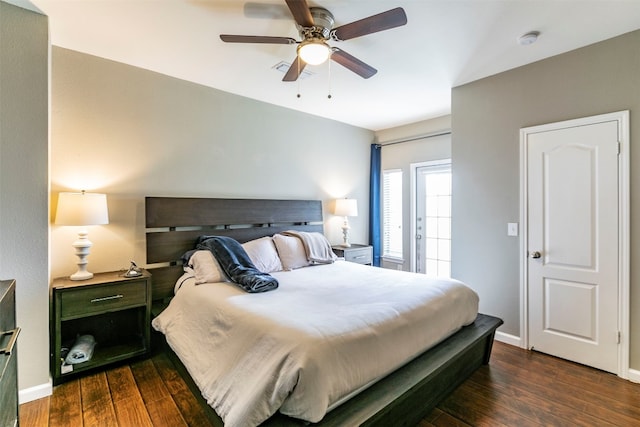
(487, 115)
(130, 133)
(24, 235)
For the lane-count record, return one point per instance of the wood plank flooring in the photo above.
(518, 388)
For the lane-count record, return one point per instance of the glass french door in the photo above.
(433, 219)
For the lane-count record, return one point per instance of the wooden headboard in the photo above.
(174, 223)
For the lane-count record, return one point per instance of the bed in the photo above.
(410, 382)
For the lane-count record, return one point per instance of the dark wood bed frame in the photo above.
(402, 398)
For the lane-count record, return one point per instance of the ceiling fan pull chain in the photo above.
(329, 81)
(298, 79)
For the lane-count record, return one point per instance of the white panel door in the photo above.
(573, 264)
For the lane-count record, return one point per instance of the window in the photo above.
(392, 213)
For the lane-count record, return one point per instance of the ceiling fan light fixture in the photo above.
(314, 52)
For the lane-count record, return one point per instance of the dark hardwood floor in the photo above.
(518, 388)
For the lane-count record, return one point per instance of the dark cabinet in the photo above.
(8, 354)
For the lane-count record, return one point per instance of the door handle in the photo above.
(535, 254)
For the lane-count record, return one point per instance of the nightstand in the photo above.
(114, 309)
(361, 254)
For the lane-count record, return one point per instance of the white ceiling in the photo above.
(444, 44)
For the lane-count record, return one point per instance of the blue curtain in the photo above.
(374, 203)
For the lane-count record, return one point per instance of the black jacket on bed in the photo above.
(235, 262)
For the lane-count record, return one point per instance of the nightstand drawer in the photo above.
(361, 255)
(100, 299)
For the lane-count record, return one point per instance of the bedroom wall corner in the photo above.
(487, 115)
(24, 212)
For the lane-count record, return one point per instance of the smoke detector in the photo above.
(528, 38)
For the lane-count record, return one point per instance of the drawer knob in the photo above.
(107, 298)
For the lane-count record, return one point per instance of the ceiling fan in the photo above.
(315, 25)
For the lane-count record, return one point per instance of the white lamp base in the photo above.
(82, 245)
(345, 233)
(81, 275)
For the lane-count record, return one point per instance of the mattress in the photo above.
(327, 332)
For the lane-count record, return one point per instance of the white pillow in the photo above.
(188, 274)
(263, 255)
(291, 251)
(206, 268)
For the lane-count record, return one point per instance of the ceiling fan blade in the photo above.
(352, 63)
(294, 70)
(232, 38)
(301, 13)
(380, 22)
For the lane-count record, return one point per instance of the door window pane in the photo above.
(444, 206)
(444, 228)
(431, 229)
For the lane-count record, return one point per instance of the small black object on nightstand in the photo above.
(133, 271)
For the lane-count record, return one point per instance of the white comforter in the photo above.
(327, 331)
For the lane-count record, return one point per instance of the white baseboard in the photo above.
(35, 393)
(508, 339)
(634, 375)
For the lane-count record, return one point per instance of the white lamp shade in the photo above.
(346, 207)
(82, 209)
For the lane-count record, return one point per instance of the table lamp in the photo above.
(82, 209)
(346, 208)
